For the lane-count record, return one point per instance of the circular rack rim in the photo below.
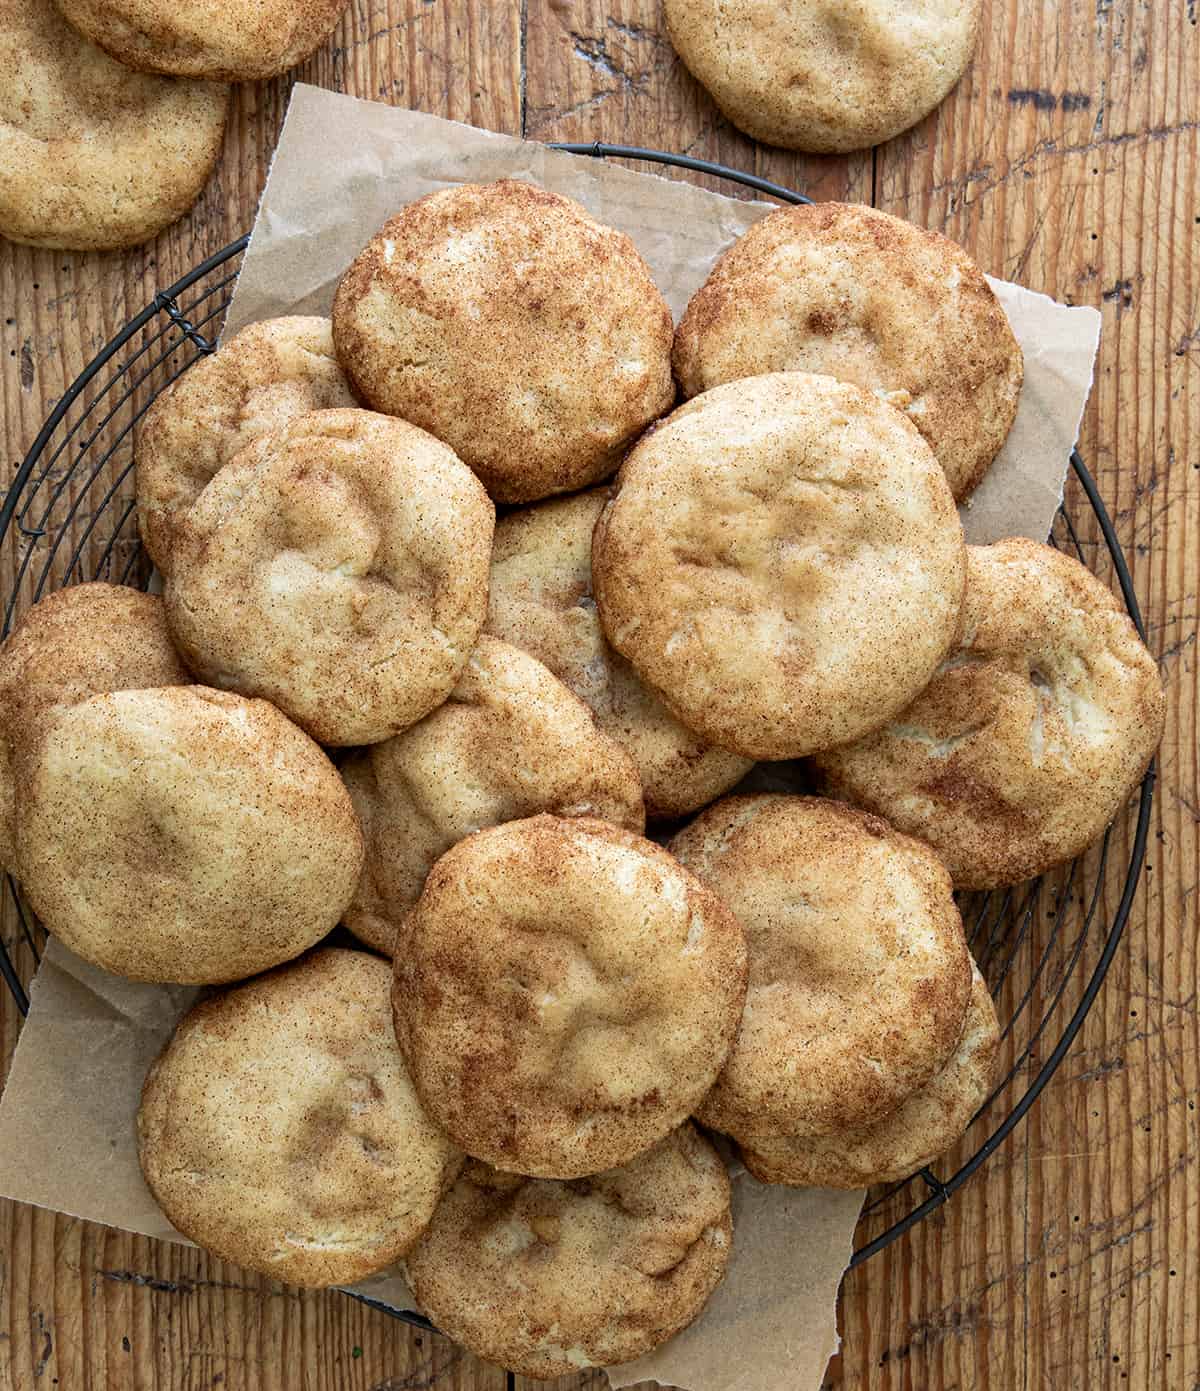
(166, 302)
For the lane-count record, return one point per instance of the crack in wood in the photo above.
(1175, 649)
(186, 1285)
(47, 1349)
(1042, 100)
(1105, 1068)
(428, 1374)
(1051, 149)
(1188, 342)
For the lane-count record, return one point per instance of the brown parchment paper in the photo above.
(342, 167)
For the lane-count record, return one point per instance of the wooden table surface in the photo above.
(1067, 159)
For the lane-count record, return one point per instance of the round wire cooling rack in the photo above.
(1044, 947)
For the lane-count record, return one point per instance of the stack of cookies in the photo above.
(362, 700)
(113, 111)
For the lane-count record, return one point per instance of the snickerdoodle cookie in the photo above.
(541, 600)
(1033, 733)
(859, 970)
(279, 1128)
(93, 155)
(511, 741)
(565, 995)
(507, 322)
(825, 75)
(185, 834)
(338, 566)
(230, 40)
(869, 299)
(259, 380)
(931, 1121)
(76, 642)
(547, 1277)
(782, 561)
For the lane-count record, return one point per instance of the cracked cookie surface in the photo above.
(1035, 730)
(261, 379)
(75, 643)
(338, 567)
(547, 1277)
(566, 993)
(782, 561)
(506, 321)
(541, 601)
(929, 1122)
(229, 40)
(95, 156)
(279, 1128)
(824, 75)
(185, 834)
(510, 741)
(870, 299)
(859, 972)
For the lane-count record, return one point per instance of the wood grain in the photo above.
(1068, 159)
(82, 1307)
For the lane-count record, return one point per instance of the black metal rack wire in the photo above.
(1044, 947)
